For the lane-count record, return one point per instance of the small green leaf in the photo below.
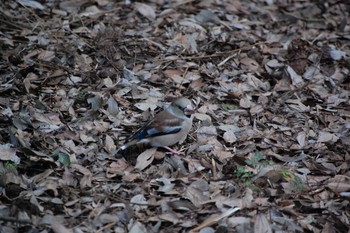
(244, 176)
(10, 166)
(227, 107)
(62, 157)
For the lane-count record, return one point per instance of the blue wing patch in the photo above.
(153, 132)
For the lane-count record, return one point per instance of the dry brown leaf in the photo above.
(181, 205)
(170, 217)
(261, 224)
(145, 10)
(328, 228)
(176, 76)
(137, 227)
(145, 159)
(9, 153)
(196, 196)
(68, 178)
(109, 144)
(58, 227)
(326, 137)
(214, 219)
(297, 80)
(239, 221)
(90, 11)
(118, 167)
(138, 202)
(339, 183)
(149, 105)
(205, 133)
(167, 185)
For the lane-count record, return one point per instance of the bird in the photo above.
(168, 127)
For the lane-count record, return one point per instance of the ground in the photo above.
(269, 147)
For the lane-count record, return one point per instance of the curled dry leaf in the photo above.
(58, 227)
(109, 144)
(326, 137)
(137, 227)
(261, 224)
(297, 80)
(150, 104)
(339, 183)
(167, 185)
(214, 219)
(139, 202)
(197, 196)
(205, 133)
(9, 153)
(145, 159)
(146, 10)
(31, 3)
(182, 205)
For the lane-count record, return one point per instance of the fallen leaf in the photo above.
(261, 224)
(8, 153)
(326, 137)
(145, 159)
(214, 219)
(145, 10)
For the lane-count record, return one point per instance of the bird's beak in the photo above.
(189, 110)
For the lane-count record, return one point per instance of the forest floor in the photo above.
(269, 147)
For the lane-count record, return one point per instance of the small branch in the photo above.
(13, 219)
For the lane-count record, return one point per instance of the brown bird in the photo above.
(167, 128)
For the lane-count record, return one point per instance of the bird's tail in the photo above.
(124, 147)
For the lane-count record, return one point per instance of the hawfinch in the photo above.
(167, 128)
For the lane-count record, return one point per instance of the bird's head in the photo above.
(184, 105)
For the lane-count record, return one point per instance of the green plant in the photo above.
(297, 184)
(244, 175)
(61, 156)
(257, 161)
(10, 166)
(227, 107)
(286, 174)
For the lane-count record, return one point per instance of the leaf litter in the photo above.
(269, 147)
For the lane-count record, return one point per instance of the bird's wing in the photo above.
(163, 124)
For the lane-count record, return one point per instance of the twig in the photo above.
(154, 43)
(219, 54)
(13, 219)
(106, 227)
